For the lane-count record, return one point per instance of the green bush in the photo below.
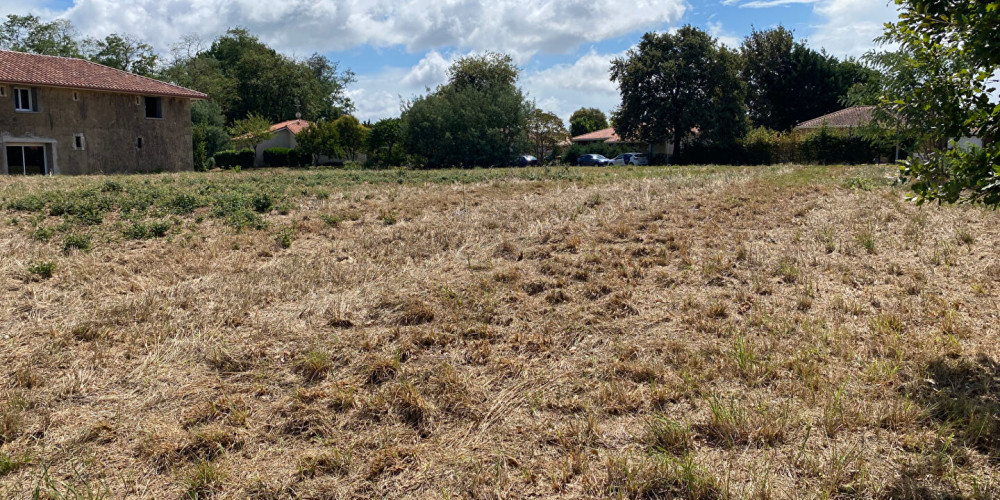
(43, 269)
(232, 159)
(76, 241)
(278, 157)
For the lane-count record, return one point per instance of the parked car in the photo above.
(526, 160)
(593, 161)
(630, 159)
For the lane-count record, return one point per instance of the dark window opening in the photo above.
(78, 141)
(138, 143)
(154, 107)
(26, 160)
(76, 96)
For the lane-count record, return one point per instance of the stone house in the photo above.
(71, 116)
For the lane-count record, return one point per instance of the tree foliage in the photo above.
(546, 132)
(29, 34)
(124, 52)
(951, 49)
(208, 132)
(352, 135)
(675, 83)
(587, 120)
(788, 83)
(245, 76)
(385, 142)
(320, 139)
(478, 118)
(249, 132)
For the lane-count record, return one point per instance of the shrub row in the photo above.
(232, 159)
(285, 157)
(767, 147)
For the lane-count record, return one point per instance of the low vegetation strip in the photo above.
(708, 332)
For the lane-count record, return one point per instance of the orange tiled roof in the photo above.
(52, 71)
(293, 126)
(857, 116)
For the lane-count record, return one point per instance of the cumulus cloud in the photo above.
(522, 27)
(851, 25)
(564, 88)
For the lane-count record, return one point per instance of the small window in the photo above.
(154, 107)
(79, 143)
(24, 100)
(138, 143)
(3, 91)
(76, 96)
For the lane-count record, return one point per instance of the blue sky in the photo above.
(400, 47)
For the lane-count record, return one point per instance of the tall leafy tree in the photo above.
(788, 83)
(587, 120)
(546, 132)
(249, 132)
(29, 34)
(952, 48)
(674, 84)
(124, 52)
(320, 139)
(352, 135)
(385, 142)
(478, 118)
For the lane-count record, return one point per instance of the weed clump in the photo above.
(77, 242)
(42, 269)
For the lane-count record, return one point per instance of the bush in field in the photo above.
(76, 242)
(285, 157)
(232, 158)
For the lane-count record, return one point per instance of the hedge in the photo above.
(767, 147)
(230, 159)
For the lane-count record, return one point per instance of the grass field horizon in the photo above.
(644, 332)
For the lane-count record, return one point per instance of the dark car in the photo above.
(593, 161)
(525, 161)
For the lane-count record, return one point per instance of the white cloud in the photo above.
(518, 26)
(564, 88)
(851, 25)
(726, 38)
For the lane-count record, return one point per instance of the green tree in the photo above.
(788, 83)
(385, 142)
(320, 139)
(249, 132)
(478, 118)
(675, 83)
(587, 120)
(124, 52)
(352, 135)
(952, 48)
(246, 76)
(29, 34)
(208, 131)
(545, 132)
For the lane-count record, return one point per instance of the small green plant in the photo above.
(159, 229)
(314, 365)
(285, 237)
(966, 237)
(204, 479)
(388, 218)
(262, 203)
(10, 463)
(77, 242)
(332, 220)
(44, 233)
(667, 436)
(43, 269)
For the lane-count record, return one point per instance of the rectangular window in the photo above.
(76, 96)
(79, 143)
(138, 143)
(154, 107)
(23, 100)
(3, 91)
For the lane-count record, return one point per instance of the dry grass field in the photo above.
(697, 332)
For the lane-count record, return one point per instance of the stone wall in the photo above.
(111, 125)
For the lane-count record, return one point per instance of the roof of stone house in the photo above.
(65, 72)
(857, 116)
(293, 126)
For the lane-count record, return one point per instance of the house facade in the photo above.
(70, 116)
(609, 136)
(284, 137)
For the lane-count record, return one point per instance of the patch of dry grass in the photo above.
(633, 333)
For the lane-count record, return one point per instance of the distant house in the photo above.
(850, 119)
(71, 116)
(844, 120)
(284, 137)
(609, 136)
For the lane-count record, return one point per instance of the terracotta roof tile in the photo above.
(293, 126)
(603, 135)
(857, 116)
(51, 71)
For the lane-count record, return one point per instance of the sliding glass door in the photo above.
(26, 160)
